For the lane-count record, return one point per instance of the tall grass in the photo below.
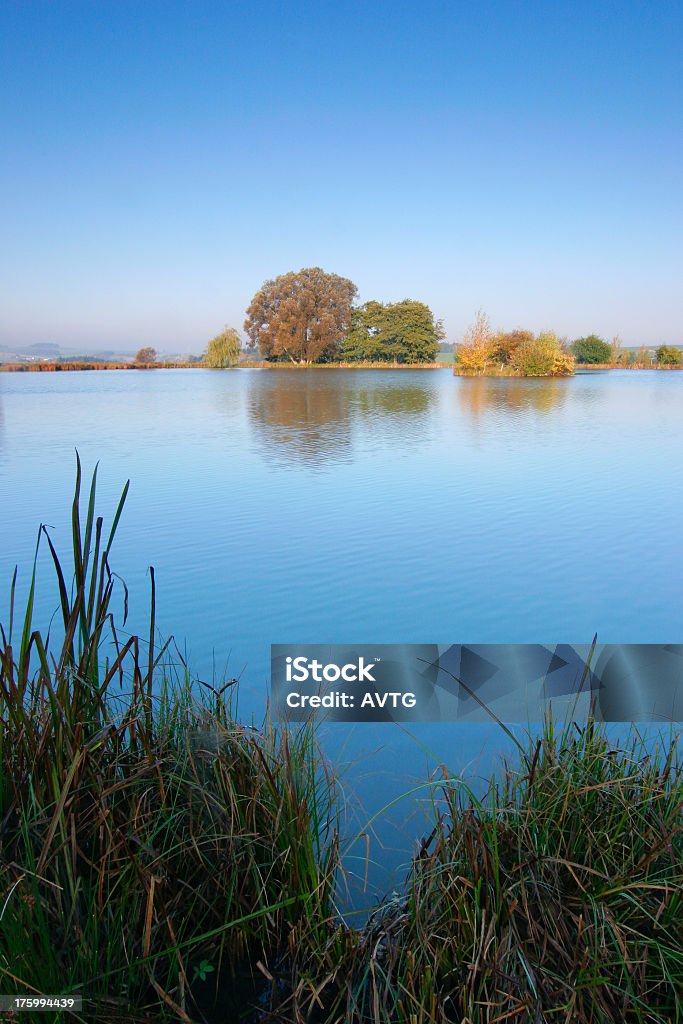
(142, 830)
(559, 898)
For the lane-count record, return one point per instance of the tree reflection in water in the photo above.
(480, 395)
(316, 417)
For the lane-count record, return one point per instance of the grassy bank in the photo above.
(171, 864)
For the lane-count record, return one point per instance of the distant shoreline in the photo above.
(71, 367)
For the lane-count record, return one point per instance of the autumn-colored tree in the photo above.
(543, 356)
(301, 316)
(476, 351)
(298, 424)
(398, 332)
(223, 350)
(147, 354)
(504, 344)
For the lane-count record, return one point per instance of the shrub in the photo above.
(476, 351)
(504, 344)
(669, 355)
(592, 349)
(542, 357)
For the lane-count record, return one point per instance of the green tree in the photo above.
(301, 316)
(223, 350)
(413, 335)
(398, 332)
(592, 349)
(669, 355)
(365, 341)
(147, 354)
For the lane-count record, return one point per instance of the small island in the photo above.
(521, 353)
(517, 353)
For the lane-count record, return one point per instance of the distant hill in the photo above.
(41, 348)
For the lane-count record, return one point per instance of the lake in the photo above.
(334, 506)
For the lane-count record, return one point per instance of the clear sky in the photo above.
(162, 159)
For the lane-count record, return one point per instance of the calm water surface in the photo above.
(364, 506)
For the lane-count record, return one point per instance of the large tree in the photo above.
(365, 342)
(399, 332)
(301, 316)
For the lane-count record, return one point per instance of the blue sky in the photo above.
(161, 160)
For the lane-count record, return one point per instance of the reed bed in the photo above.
(149, 845)
(558, 898)
(68, 366)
